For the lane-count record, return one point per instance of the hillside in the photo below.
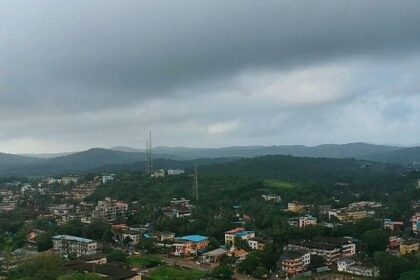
(307, 170)
(408, 156)
(8, 161)
(80, 162)
(328, 150)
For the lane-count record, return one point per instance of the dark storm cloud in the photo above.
(116, 50)
(60, 59)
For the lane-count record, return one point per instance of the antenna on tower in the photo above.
(150, 152)
(195, 184)
(149, 159)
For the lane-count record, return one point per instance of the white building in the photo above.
(107, 178)
(66, 245)
(349, 266)
(307, 220)
(172, 172)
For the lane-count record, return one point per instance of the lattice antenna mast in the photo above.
(195, 185)
(146, 159)
(150, 158)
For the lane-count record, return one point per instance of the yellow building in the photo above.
(297, 207)
(408, 247)
(351, 215)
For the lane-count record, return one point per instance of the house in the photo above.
(239, 232)
(190, 245)
(392, 225)
(66, 245)
(32, 238)
(162, 236)
(409, 246)
(295, 262)
(238, 254)
(349, 266)
(257, 244)
(393, 247)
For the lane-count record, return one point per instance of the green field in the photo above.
(172, 273)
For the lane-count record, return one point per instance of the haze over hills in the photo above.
(119, 158)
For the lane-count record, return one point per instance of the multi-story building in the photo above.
(294, 262)
(302, 221)
(297, 207)
(409, 246)
(349, 266)
(392, 225)
(190, 245)
(347, 215)
(365, 205)
(329, 248)
(112, 211)
(66, 245)
(179, 208)
(415, 222)
(240, 233)
(172, 172)
(307, 220)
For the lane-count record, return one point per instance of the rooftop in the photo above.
(72, 238)
(193, 238)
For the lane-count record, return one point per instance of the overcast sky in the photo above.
(81, 74)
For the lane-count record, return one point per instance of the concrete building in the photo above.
(295, 262)
(66, 245)
(190, 245)
(112, 211)
(329, 248)
(349, 266)
(392, 225)
(257, 244)
(239, 232)
(173, 172)
(409, 246)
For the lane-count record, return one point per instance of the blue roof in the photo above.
(73, 238)
(243, 233)
(194, 238)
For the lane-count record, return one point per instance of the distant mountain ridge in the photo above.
(119, 158)
(326, 150)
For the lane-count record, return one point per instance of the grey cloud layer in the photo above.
(94, 65)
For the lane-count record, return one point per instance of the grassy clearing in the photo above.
(173, 273)
(281, 185)
(145, 261)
